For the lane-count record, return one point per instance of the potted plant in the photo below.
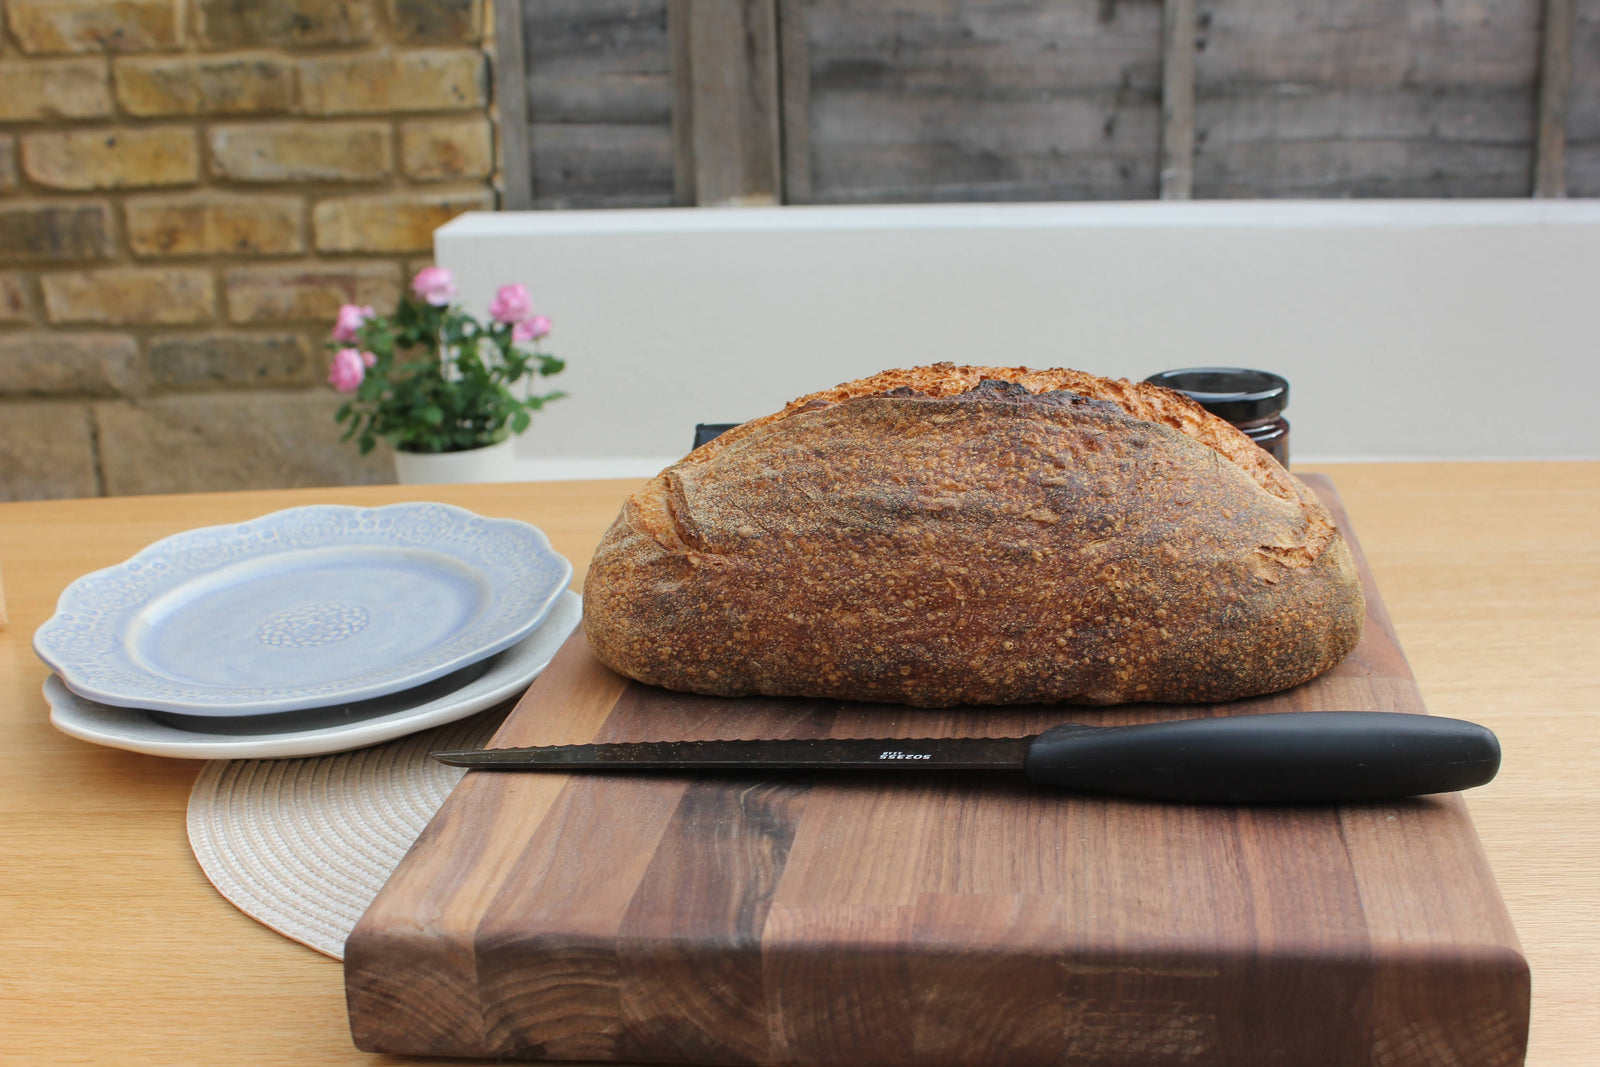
(437, 384)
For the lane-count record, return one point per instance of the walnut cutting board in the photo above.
(931, 920)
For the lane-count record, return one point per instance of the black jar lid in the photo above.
(1232, 393)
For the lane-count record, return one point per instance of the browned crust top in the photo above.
(649, 513)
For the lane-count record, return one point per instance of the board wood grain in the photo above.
(931, 919)
(934, 100)
(598, 79)
(1555, 90)
(1366, 98)
(727, 129)
(1582, 133)
(1177, 99)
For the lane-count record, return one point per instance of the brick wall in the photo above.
(188, 191)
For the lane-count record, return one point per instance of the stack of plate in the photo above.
(308, 631)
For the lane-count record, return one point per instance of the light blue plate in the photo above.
(302, 608)
(319, 731)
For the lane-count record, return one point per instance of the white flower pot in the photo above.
(493, 463)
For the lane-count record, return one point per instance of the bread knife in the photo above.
(1308, 757)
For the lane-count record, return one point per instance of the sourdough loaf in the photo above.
(949, 534)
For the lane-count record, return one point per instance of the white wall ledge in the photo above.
(1408, 329)
(1101, 214)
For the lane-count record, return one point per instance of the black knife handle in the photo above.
(1306, 757)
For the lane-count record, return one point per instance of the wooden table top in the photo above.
(117, 950)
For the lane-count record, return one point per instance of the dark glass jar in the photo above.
(1253, 400)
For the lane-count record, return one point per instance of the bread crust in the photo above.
(919, 537)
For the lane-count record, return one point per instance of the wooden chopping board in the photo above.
(940, 920)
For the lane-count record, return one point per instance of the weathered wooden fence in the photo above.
(658, 102)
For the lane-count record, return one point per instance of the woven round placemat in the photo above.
(304, 845)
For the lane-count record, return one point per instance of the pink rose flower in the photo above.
(511, 304)
(434, 285)
(348, 324)
(531, 330)
(348, 370)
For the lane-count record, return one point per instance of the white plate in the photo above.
(324, 730)
(304, 608)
